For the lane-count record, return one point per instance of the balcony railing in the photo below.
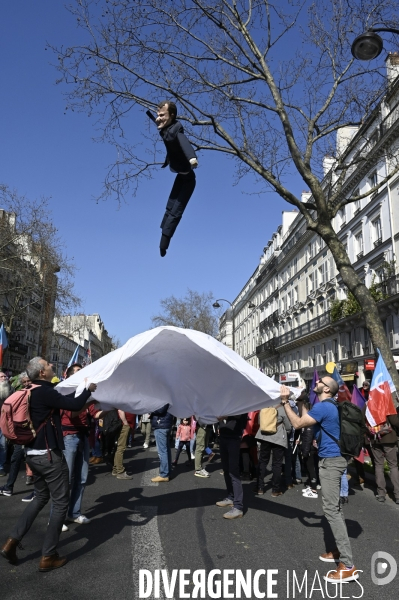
(389, 286)
(267, 348)
(305, 329)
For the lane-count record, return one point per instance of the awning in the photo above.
(350, 377)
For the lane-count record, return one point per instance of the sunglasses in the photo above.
(324, 383)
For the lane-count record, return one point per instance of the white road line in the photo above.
(149, 473)
(147, 551)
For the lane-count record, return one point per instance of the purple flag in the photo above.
(357, 398)
(313, 397)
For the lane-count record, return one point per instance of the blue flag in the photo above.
(3, 342)
(75, 357)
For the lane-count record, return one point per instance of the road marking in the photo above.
(147, 551)
(149, 472)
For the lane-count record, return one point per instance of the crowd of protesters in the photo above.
(303, 451)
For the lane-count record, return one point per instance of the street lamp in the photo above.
(369, 45)
(217, 305)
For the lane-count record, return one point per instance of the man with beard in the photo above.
(324, 417)
(5, 391)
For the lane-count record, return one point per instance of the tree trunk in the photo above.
(363, 296)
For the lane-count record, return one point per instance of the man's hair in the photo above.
(334, 387)
(21, 376)
(70, 370)
(34, 367)
(172, 108)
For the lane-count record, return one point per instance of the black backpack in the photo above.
(112, 424)
(352, 428)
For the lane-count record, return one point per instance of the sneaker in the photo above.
(160, 479)
(29, 480)
(65, 528)
(276, 493)
(380, 498)
(4, 491)
(145, 445)
(332, 556)
(192, 456)
(305, 489)
(30, 497)
(225, 502)
(201, 473)
(81, 519)
(234, 513)
(124, 475)
(310, 494)
(259, 492)
(211, 456)
(342, 574)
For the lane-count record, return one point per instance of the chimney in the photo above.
(392, 62)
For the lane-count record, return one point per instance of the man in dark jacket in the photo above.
(181, 158)
(230, 433)
(161, 422)
(46, 459)
(381, 449)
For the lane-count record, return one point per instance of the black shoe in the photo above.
(343, 500)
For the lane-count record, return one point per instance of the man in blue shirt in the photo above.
(324, 417)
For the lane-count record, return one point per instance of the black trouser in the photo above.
(51, 481)
(230, 457)
(15, 464)
(277, 452)
(309, 464)
(180, 448)
(181, 193)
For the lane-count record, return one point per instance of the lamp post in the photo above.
(217, 305)
(369, 44)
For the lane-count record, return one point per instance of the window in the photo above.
(373, 179)
(323, 272)
(376, 231)
(356, 207)
(311, 282)
(342, 217)
(359, 244)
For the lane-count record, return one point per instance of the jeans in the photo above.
(181, 193)
(15, 465)
(180, 448)
(164, 453)
(77, 456)
(3, 450)
(266, 449)
(230, 457)
(120, 449)
(344, 491)
(330, 474)
(51, 480)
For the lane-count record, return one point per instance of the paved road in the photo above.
(139, 525)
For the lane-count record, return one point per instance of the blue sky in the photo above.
(44, 152)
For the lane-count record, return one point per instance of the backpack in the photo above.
(15, 421)
(352, 428)
(378, 431)
(112, 425)
(268, 421)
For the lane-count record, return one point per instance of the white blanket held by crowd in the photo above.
(193, 372)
